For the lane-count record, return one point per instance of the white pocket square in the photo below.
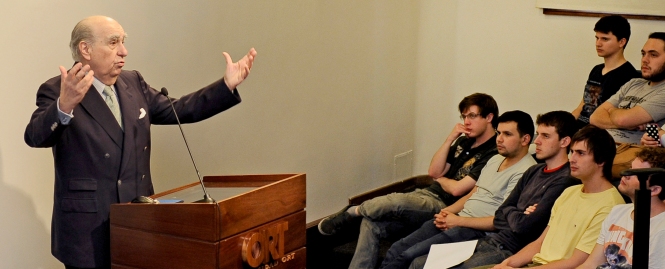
(142, 113)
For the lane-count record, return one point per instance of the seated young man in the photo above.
(455, 167)
(476, 209)
(640, 101)
(579, 212)
(614, 247)
(524, 215)
(612, 35)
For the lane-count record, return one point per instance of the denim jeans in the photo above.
(417, 244)
(488, 251)
(389, 215)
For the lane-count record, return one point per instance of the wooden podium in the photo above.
(258, 221)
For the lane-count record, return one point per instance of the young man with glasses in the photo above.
(455, 168)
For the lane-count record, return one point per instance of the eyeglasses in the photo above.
(470, 116)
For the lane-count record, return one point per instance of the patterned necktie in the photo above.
(112, 102)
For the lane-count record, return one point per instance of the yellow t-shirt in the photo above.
(575, 222)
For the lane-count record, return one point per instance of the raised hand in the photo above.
(238, 71)
(457, 131)
(74, 84)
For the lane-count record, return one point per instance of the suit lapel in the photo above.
(130, 112)
(100, 112)
(130, 115)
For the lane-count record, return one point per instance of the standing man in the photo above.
(455, 168)
(524, 214)
(472, 215)
(612, 35)
(640, 101)
(96, 118)
(614, 247)
(580, 210)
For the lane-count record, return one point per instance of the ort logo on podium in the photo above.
(266, 245)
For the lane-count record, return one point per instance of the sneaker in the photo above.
(335, 222)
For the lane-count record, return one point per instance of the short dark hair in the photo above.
(485, 104)
(599, 143)
(616, 25)
(658, 35)
(656, 158)
(563, 122)
(523, 120)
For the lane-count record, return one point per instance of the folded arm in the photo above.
(457, 187)
(607, 116)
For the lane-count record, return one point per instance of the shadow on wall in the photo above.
(24, 241)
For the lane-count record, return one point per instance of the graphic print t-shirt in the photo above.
(616, 237)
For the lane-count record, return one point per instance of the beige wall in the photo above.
(338, 88)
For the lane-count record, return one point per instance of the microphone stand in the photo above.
(206, 198)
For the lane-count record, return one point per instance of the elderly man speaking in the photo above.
(96, 117)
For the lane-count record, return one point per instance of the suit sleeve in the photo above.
(45, 128)
(193, 107)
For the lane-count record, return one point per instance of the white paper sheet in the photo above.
(448, 255)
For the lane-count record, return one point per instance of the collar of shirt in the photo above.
(100, 88)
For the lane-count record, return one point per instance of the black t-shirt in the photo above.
(601, 87)
(464, 161)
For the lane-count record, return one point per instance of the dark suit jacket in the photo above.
(97, 164)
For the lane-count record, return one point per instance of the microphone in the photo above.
(206, 197)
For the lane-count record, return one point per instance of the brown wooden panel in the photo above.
(197, 221)
(293, 260)
(563, 12)
(237, 184)
(141, 249)
(399, 186)
(244, 180)
(295, 238)
(177, 232)
(262, 205)
(212, 222)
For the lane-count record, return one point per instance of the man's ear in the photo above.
(489, 117)
(655, 190)
(622, 43)
(526, 140)
(85, 49)
(564, 142)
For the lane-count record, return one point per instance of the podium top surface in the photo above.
(195, 193)
(242, 202)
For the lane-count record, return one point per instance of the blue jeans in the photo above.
(417, 244)
(488, 251)
(389, 215)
